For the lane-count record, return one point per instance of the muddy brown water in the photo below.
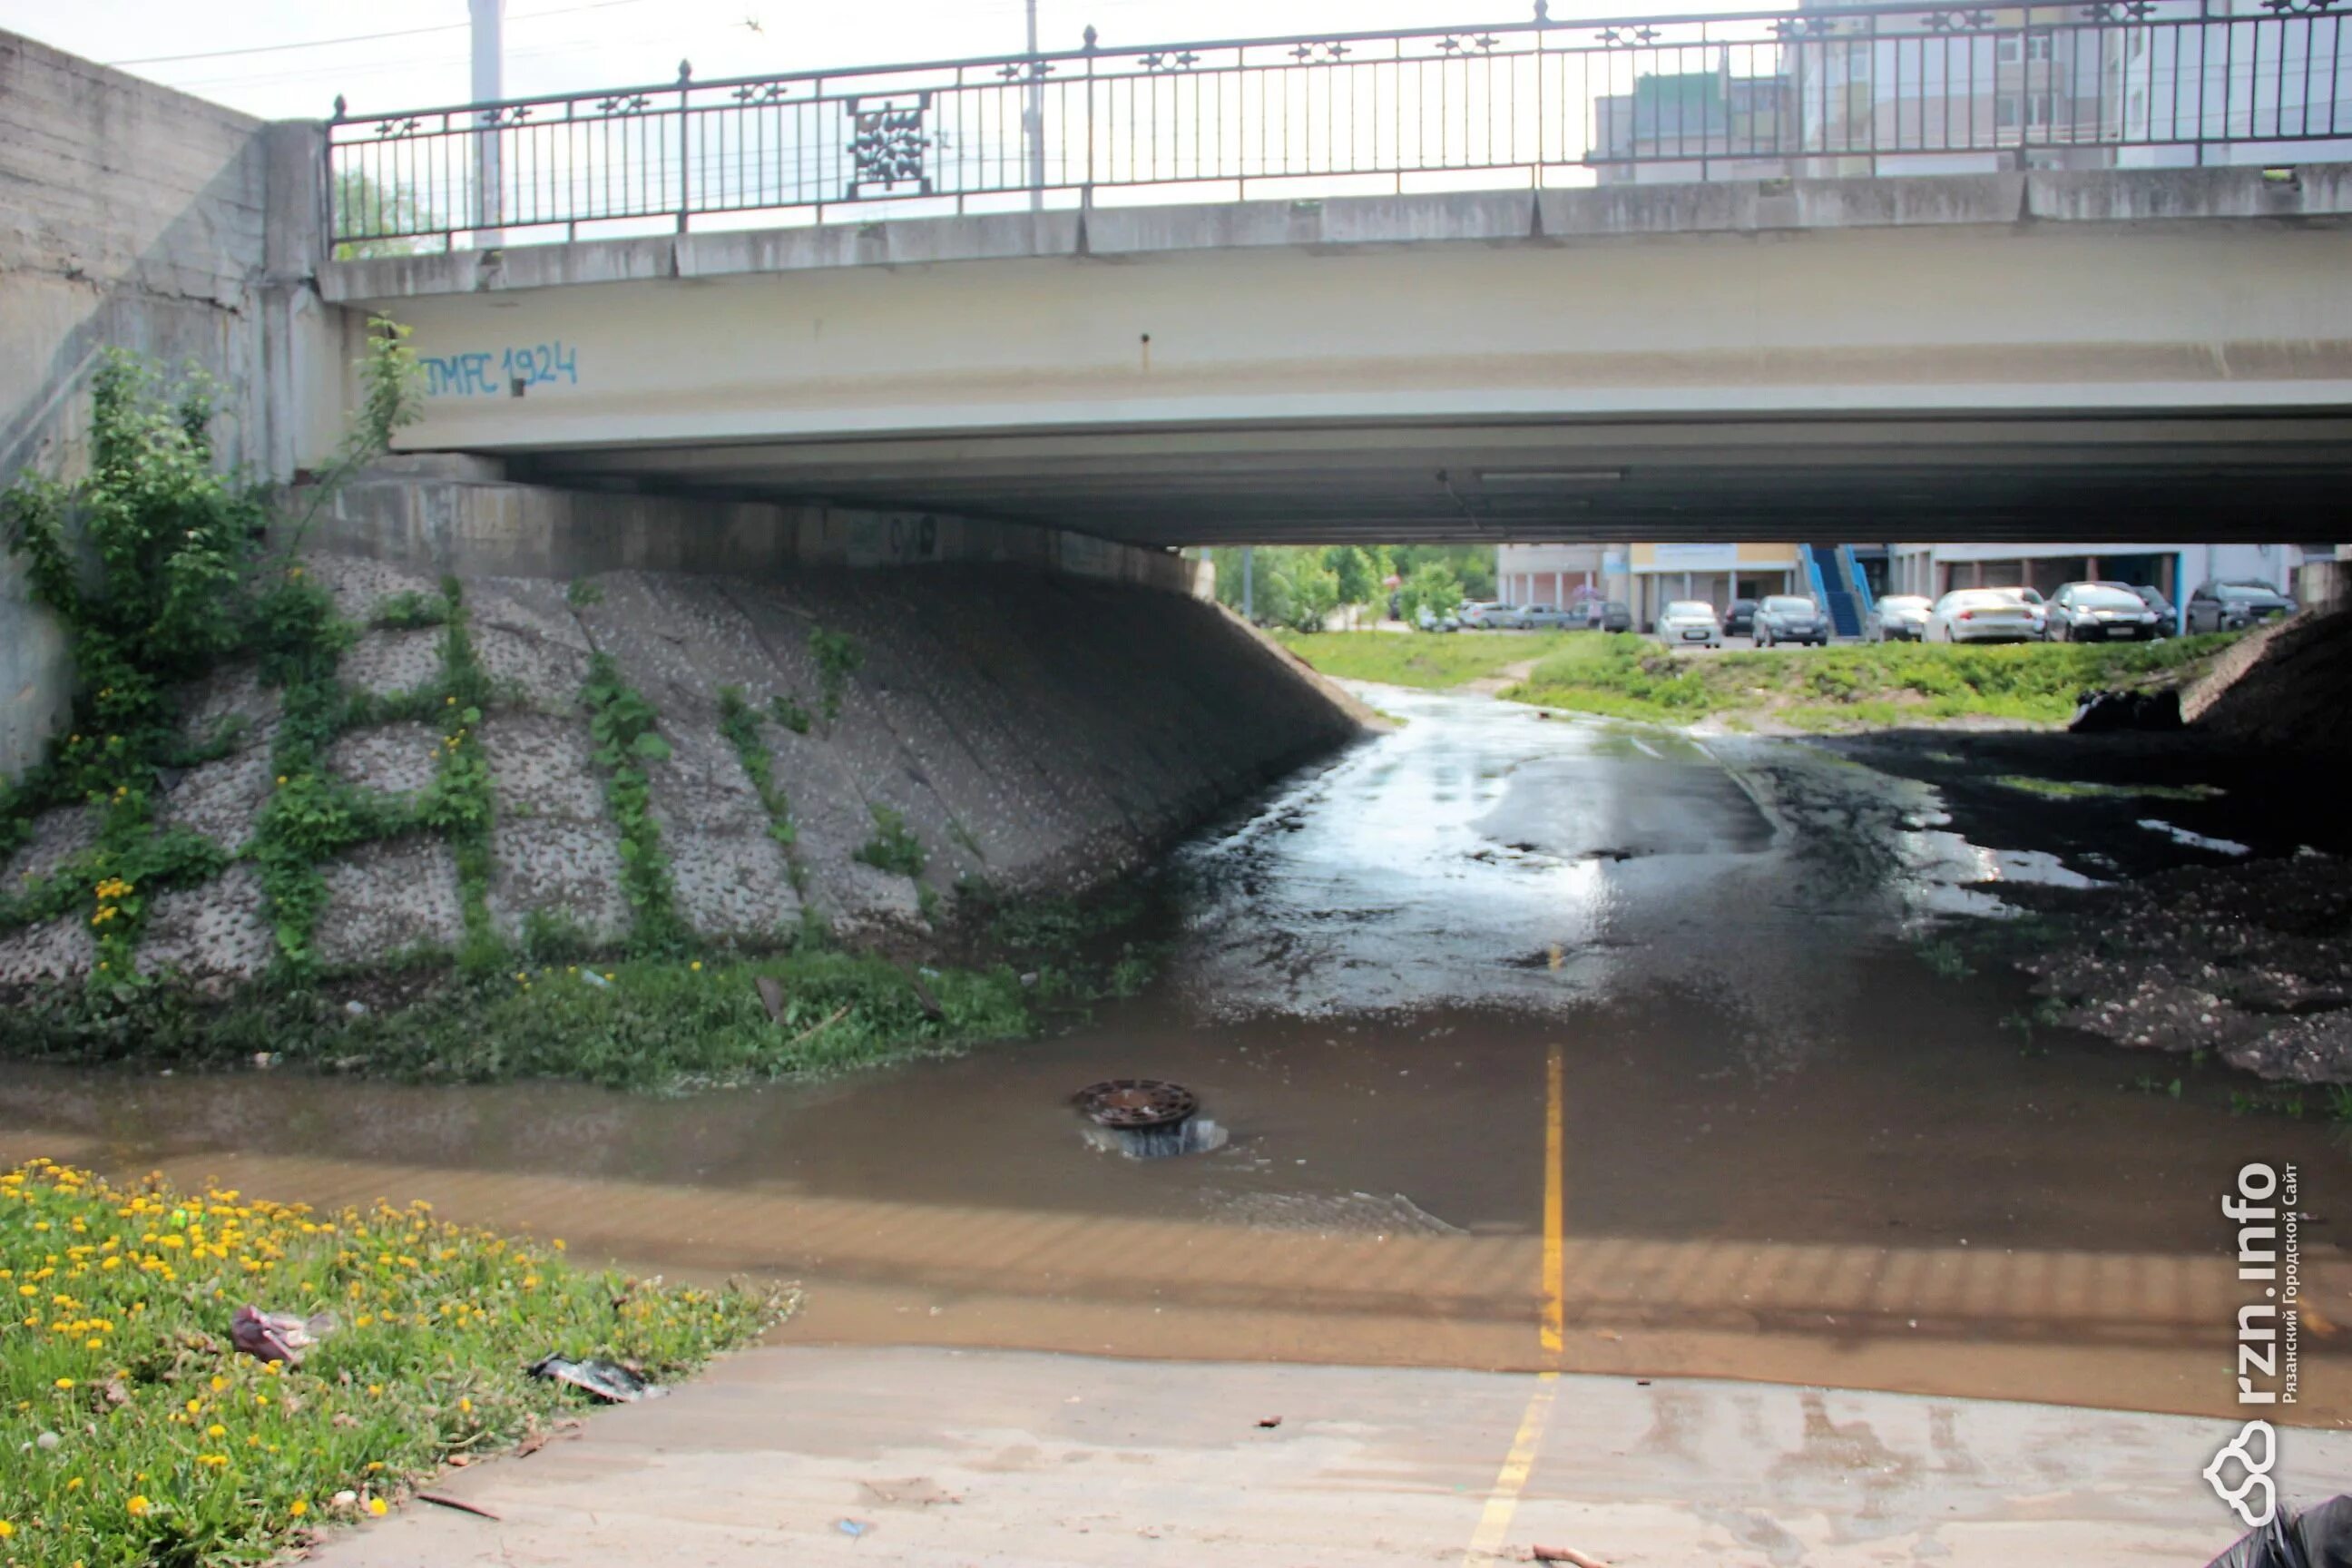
(1790, 1149)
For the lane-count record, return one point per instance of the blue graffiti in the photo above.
(518, 368)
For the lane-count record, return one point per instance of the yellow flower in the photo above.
(137, 1505)
(281, 778)
(378, 1507)
(298, 1507)
(74, 1485)
(216, 1430)
(6, 1529)
(65, 1382)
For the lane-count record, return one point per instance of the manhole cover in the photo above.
(1137, 1102)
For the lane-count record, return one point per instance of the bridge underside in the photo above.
(2189, 478)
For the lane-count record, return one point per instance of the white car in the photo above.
(1983, 615)
(1689, 622)
(1897, 617)
(1487, 614)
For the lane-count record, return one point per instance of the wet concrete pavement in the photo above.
(944, 1459)
(1786, 1148)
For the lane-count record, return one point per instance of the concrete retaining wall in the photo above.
(447, 512)
(135, 217)
(1039, 730)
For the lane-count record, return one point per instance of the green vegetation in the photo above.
(1888, 683)
(837, 658)
(741, 725)
(657, 1025)
(582, 593)
(894, 847)
(1433, 663)
(152, 566)
(2077, 789)
(621, 722)
(133, 1433)
(408, 610)
(787, 712)
(1299, 586)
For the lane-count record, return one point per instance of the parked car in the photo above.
(2167, 617)
(1789, 617)
(2234, 606)
(1982, 615)
(1685, 622)
(1898, 618)
(1552, 618)
(2033, 600)
(2093, 612)
(1429, 620)
(1739, 621)
(1492, 616)
(1616, 615)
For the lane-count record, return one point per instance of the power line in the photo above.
(362, 37)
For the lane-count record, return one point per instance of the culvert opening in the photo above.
(1146, 1119)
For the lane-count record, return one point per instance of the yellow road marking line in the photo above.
(1555, 1273)
(1495, 1520)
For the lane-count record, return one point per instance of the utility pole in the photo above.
(490, 86)
(1249, 585)
(1032, 120)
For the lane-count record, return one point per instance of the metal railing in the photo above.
(1845, 90)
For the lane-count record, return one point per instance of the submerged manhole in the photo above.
(1137, 1102)
(1145, 1119)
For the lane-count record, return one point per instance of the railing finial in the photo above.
(1090, 38)
(1543, 13)
(340, 109)
(684, 71)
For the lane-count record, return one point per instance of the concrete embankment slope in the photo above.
(1040, 731)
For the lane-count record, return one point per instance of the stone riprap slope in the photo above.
(1041, 732)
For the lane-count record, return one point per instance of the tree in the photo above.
(390, 213)
(1359, 574)
(1310, 590)
(1432, 586)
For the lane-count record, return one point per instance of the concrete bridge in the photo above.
(2143, 354)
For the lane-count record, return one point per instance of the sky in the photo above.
(566, 46)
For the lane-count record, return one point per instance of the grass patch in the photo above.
(1432, 661)
(894, 847)
(1629, 677)
(662, 1024)
(2077, 789)
(133, 1433)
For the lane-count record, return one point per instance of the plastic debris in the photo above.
(852, 1528)
(605, 1379)
(1270, 1422)
(771, 996)
(598, 981)
(277, 1336)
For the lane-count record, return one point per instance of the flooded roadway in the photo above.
(1543, 1043)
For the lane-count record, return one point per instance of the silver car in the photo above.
(1983, 615)
(1899, 616)
(1551, 618)
(1687, 622)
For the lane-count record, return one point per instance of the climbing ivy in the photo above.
(461, 802)
(622, 725)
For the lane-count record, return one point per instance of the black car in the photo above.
(2234, 606)
(1739, 621)
(1785, 617)
(2100, 612)
(1616, 615)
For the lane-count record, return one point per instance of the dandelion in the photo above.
(466, 1405)
(696, 965)
(298, 1507)
(216, 1430)
(6, 1529)
(378, 1507)
(137, 1505)
(65, 1382)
